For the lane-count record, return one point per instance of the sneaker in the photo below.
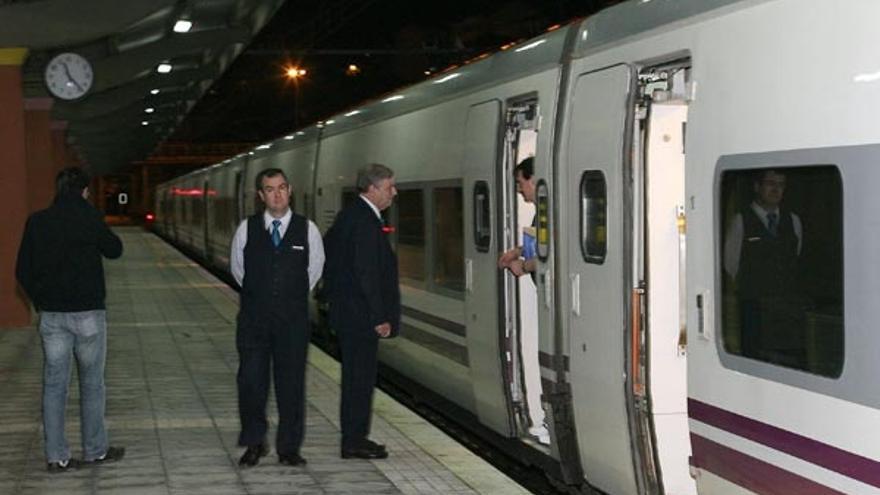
(62, 466)
(113, 454)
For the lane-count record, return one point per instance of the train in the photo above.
(635, 361)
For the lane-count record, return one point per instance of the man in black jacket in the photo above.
(362, 285)
(59, 266)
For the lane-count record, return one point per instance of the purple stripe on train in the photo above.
(832, 458)
(752, 474)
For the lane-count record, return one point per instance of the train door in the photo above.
(482, 277)
(208, 212)
(597, 248)
(523, 373)
(658, 351)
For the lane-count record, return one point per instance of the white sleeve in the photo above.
(236, 255)
(733, 245)
(798, 232)
(316, 255)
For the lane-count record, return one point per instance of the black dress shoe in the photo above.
(291, 460)
(367, 450)
(251, 456)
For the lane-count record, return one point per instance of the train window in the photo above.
(449, 238)
(593, 211)
(782, 259)
(482, 216)
(410, 231)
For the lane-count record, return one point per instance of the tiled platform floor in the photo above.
(171, 402)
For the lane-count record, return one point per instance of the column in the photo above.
(14, 309)
(38, 143)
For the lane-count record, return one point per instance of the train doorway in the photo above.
(521, 301)
(659, 346)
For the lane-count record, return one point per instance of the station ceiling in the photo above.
(125, 42)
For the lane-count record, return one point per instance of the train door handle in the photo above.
(575, 279)
(469, 275)
(548, 283)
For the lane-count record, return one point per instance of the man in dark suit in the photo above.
(362, 286)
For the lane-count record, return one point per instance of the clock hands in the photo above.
(70, 77)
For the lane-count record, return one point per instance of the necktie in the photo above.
(772, 223)
(276, 235)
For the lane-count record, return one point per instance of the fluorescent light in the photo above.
(264, 146)
(154, 91)
(250, 152)
(300, 133)
(330, 122)
(393, 98)
(149, 110)
(144, 122)
(352, 113)
(182, 26)
(289, 137)
(447, 78)
(531, 45)
(163, 68)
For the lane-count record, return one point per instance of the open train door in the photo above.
(596, 247)
(482, 277)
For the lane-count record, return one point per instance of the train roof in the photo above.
(550, 49)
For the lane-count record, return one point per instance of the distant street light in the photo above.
(352, 70)
(295, 72)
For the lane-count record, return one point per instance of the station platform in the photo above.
(171, 401)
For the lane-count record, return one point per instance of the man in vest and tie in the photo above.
(277, 257)
(761, 252)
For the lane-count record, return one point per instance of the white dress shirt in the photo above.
(373, 207)
(734, 237)
(239, 241)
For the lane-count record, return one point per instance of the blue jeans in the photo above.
(85, 335)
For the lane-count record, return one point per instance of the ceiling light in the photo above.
(182, 26)
(352, 113)
(154, 91)
(149, 110)
(393, 98)
(164, 68)
(264, 146)
(144, 122)
(330, 122)
(300, 133)
(289, 137)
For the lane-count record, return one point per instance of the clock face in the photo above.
(69, 76)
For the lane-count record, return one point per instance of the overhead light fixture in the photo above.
(300, 133)
(289, 137)
(352, 113)
(164, 68)
(144, 122)
(264, 146)
(330, 122)
(149, 110)
(154, 91)
(182, 26)
(352, 70)
(393, 98)
(295, 72)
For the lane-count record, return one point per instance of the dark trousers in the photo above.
(359, 367)
(274, 341)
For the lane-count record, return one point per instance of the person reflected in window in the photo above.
(521, 259)
(762, 248)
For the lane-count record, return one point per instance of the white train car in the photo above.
(636, 362)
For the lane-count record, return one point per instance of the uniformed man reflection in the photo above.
(761, 251)
(277, 257)
(362, 284)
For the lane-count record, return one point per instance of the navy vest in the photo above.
(276, 280)
(768, 265)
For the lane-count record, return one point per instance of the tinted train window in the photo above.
(593, 211)
(410, 230)
(449, 238)
(482, 217)
(782, 260)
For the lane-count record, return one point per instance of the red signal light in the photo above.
(149, 217)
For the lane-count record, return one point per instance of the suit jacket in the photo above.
(360, 275)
